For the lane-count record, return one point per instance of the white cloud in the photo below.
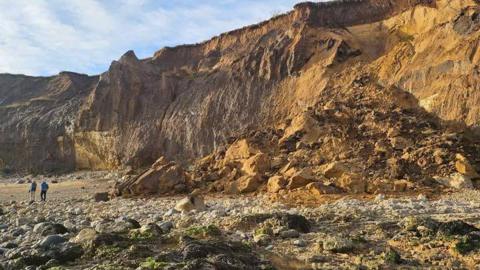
(44, 37)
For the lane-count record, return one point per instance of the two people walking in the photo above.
(43, 191)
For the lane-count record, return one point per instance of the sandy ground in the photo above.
(67, 189)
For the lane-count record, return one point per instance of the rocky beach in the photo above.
(78, 229)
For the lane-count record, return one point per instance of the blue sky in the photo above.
(44, 37)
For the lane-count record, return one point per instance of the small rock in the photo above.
(290, 234)
(101, 197)
(190, 203)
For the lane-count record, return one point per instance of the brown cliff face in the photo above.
(187, 101)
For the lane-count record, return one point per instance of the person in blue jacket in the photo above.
(43, 191)
(32, 190)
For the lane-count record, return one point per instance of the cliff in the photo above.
(187, 101)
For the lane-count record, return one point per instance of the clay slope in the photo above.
(187, 101)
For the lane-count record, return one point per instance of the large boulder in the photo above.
(240, 149)
(245, 184)
(259, 163)
(305, 125)
(162, 178)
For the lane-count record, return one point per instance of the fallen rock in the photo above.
(241, 149)
(245, 184)
(276, 183)
(352, 183)
(334, 169)
(456, 180)
(464, 167)
(161, 178)
(259, 163)
(190, 203)
(319, 189)
(300, 178)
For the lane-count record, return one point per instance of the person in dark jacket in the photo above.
(32, 190)
(43, 191)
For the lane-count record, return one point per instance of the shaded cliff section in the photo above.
(186, 101)
(37, 117)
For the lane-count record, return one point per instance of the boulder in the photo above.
(319, 189)
(338, 244)
(245, 184)
(334, 169)
(456, 180)
(51, 240)
(305, 125)
(101, 197)
(300, 178)
(276, 183)
(85, 236)
(161, 178)
(46, 228)
(259, 163)
(380, 186)
(190, 203)
(464, 167)
(240, 149)
(353, 183)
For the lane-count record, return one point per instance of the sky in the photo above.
(44, 37)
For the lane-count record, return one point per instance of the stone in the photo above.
(352, 183)
(305, 125)
(300, 178)
(401, 185)
(334, 169)
(245, 184)
(166, 227)
(258, 164)
(464, 167)
(319, 189)
(241, 149)
(456, 180)
(290, 234)
(190, 203)
(86, 235)
(151, 228)
(380, 186)
(66, 252)
(101, 197)
(161, 178)
(338, 244)
(276, 183)
(51, 240)
(46, 228)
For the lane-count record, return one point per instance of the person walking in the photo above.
(43, 190)
(32, 190)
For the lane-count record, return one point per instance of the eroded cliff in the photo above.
(187, 101)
